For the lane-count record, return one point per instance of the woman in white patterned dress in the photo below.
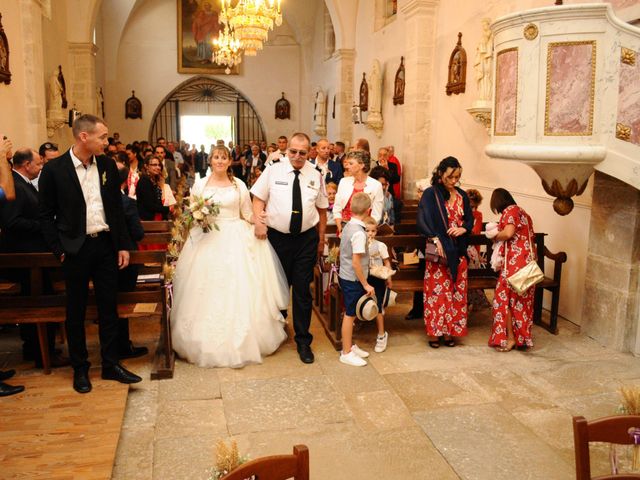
(229, 288)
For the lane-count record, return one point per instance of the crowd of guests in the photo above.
(362, 195)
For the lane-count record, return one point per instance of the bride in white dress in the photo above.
(229, 287)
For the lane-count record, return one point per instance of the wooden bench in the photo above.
(410, 279)
(40, 308)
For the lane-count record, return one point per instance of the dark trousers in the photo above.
(127, 281)
(97, 260)
(298, 255)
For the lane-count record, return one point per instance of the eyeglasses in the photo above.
(295, 152)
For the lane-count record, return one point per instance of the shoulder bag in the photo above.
(527, 276)
(431, 250)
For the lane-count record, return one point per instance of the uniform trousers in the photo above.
(97, 261)
(298, 255)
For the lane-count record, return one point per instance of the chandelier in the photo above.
(251, 20)
(227, 49)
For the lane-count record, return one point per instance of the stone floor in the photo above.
(413, 413)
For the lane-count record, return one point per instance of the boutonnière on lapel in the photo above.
(104, 178)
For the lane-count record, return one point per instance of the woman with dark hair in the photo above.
(512, 313)
(149, 190)
(445, 218)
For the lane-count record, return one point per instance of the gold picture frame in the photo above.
(198, 25)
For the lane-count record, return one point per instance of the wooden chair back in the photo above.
(275, 467)
(613, 429)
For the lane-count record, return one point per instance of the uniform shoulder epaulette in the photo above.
(318, 168)
(275, 160)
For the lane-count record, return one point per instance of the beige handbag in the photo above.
(527, 276)
(381, 271)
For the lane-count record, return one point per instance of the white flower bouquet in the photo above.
(201, 212)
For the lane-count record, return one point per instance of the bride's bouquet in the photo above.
(201, 212)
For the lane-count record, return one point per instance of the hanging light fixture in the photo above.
(227, 49)
(251, 20)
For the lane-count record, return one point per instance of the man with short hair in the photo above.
(162, 141)
(292, 194)
(339, 152)
(83, 224)
(47, 151)
(169, 165)
(281, 152)
(331, 171)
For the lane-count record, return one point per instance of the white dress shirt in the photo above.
(372, 187)
(90, 183)
(275, 188)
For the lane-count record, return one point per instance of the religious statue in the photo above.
(374, 118)
(57, 97)
(320, 113)
(364, 93)
(482, 65)
(100, 102)
(398, 85)
(133, 106)
(5, 73)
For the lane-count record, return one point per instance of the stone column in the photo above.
(344, 94)
(420, 27)
(82, 94)
(34, 97)
(611, 310)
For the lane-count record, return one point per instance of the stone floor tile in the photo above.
(190, 383)
(282, 403)
(486, 442)
(142, 408)
(431, 389)
(134, 458)
(184, 458)
(181, 418)
(378, 411)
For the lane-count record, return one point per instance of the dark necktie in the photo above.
(296, 206)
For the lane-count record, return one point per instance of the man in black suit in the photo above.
(83, 224)
(20, 232)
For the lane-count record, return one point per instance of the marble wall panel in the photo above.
(629, 97)
(506, 92)
(570, 88)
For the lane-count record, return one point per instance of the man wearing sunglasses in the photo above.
(289, 201)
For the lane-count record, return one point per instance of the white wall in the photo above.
(146, 62)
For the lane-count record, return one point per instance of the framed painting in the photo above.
(198, 25)
(5, 73)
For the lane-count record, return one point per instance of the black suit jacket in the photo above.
(19, 225)
(63, 212)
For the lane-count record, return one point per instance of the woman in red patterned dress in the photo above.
(512, 313)
(445, 218)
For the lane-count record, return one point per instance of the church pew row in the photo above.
(409, 278)
(149, 299)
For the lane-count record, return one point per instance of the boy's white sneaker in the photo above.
(358, 351)
(352, 359)
(381, 343)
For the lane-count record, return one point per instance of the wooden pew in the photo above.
(40, 308)
(410, 279)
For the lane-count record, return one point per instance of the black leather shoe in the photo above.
(305, 354)
(81, 382)
(6, 390)
(6, 375)
(120, 374)
(132, 351)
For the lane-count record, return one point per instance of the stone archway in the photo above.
(202, 89)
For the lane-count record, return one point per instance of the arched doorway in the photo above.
(203, 95)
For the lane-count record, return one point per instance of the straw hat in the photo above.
(367, 308)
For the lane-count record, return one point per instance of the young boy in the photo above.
(378, 255)
(354, 268)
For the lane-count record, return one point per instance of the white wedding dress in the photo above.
(229, 288)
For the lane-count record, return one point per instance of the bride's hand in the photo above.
(260, 229)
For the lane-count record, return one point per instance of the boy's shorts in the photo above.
(351, 293)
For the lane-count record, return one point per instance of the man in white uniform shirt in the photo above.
(281, 152)
(292, 194)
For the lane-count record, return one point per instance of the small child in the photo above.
(354, 268)
(331, 189)
(378, 255)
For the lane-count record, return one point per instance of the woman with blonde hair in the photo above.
(229, 287)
